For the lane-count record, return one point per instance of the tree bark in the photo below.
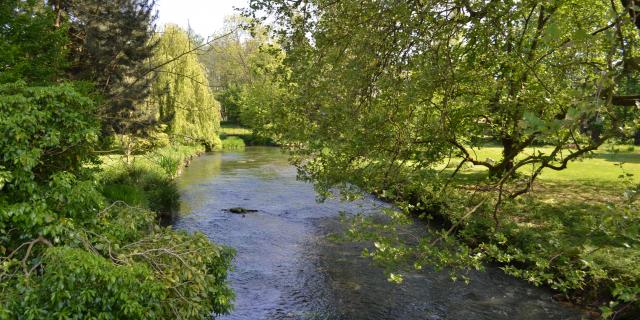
(508, 155)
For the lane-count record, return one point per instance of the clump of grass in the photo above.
(170, 165)
(139, 186)
(130, 194)
(232, 143)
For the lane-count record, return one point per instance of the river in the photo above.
(286, 268)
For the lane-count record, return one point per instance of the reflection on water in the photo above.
(286, 268)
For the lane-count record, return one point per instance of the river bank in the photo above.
(148, 180)
(237, 137)
(287, 266)
(576, 233)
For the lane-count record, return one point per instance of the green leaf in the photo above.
(580, 36)
(552, 32)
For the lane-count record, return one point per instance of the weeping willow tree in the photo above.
(181, 97)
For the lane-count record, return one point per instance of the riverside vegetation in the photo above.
(505, 126)
(491, 120)
(95, 125)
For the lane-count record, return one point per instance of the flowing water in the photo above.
(286, 268)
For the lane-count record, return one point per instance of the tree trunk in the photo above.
(506, 164)
(127, 148)
(58, 10)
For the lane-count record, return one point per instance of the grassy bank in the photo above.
(578, 232)
(231, 133)
(147, 180)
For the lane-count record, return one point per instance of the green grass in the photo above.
(248, 137)
(575, 232)
(603, 166)
(130, 194)
(234, 130)
(147, 181)
(232, 143)
(161, 160)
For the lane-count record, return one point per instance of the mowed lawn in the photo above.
(233, 130)
(604, 166)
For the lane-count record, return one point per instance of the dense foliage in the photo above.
(70, 245)
(396, 81)
(395, 97)
(48, 134)
(32, 49)
(110, 48)
(233, 62)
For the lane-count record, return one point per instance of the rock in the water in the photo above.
(240, 210)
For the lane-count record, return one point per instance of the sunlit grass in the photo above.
(147, 180)
(232, 143)
(605, 165)
(579, 218)
(233, 130)
(153, 160)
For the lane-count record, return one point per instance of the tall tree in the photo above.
(112, 48)
(415, 82)
(181, 96)
(230, 62)
(32, 48)
(381, 94)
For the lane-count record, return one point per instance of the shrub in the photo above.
(123, 267)
(81, 285)
(48, 133)
(191, 270)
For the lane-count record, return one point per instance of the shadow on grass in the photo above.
(617, 157)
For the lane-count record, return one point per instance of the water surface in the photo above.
(286, 268)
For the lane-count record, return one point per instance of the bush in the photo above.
(190, 269)
(124, 267)
(44, 130)
(63, 254)
(81, 285)
(48, 134)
